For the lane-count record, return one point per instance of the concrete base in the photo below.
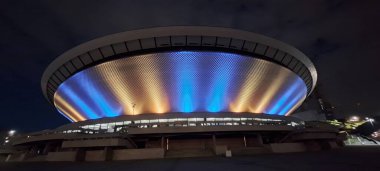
(228, 153)
(220, 150)
(95, 143)
(180, 153)
(287, 147)
(134, 154)
(333, 144)
(95, 155)
(3, 157)
(250, 151)
(16, 157)
(62, 156)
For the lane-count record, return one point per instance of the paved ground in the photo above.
(349, 158)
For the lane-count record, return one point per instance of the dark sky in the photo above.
(340, 36)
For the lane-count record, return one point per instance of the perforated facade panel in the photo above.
(180, 81)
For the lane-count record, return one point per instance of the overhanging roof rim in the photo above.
(175, 31)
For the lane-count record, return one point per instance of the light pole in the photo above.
(371, 120)
(133, 108)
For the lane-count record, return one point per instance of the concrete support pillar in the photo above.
(8, 157)
(32, 152)
(167, 144)
(23, 156)
(48, 147)
(108, 152)
(214, 143)
(260, 139)
(163, 142)
(80, 154)
(245, 141)
(214, 140)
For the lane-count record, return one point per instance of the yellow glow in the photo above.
(65, 111)
(69, 111)
(270, 93)
(120, 87)
(152, 83)
(125, 85)
(155, 83)
(295, 106)
(249, 89)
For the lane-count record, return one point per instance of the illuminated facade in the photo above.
(175, 92)
(186, 81)
(178, 69)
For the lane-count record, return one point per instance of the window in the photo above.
(210, 119)
(219, 119)
(200, 119)
(163, 120)
(144, 121)
(103, 126)
(182, 119)
(192, 119)
(227, 119)
(153, 121)
(172, 120)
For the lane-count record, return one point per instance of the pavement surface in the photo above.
(362, 158)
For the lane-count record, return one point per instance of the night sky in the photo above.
(341, 37)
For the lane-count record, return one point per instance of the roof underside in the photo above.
(157, 65)
(180, 81)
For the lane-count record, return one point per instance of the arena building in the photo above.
(176, 92)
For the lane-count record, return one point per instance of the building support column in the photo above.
(260, 139)
(8, 157)
(214, 143)
(80, 154)
(32, 152)
(162, 142)
(245, 141)
(108, 153)
(48, 147)
(167, 144)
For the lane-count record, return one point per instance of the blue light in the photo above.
(86, 110)
(96, 97)
(292, 103)
(187, 105)
(185, 81)
(185, 66)
(278, 105)
(216, 100)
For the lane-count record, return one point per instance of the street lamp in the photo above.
(353, 119)
(370, 120)
(11, 132)
(375, 134)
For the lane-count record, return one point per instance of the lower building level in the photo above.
(172, 136)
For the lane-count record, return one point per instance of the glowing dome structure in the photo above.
(173, 92)
(178, 69)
